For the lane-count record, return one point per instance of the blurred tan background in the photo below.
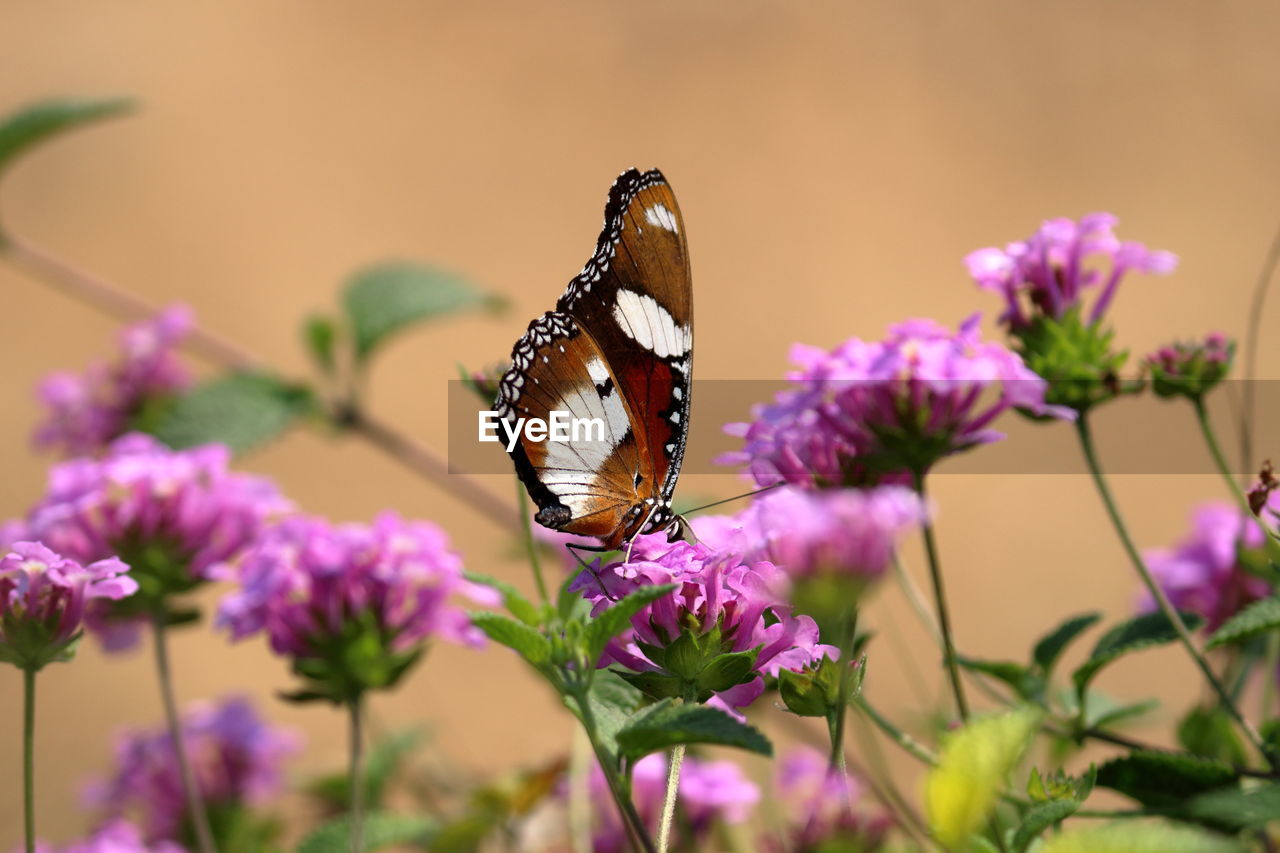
(834, 162)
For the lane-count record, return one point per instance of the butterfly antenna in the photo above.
(731, 500)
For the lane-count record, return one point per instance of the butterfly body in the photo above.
(618, 348)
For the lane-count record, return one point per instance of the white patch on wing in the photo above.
(659, 215)
(597, 371)
(650, 325)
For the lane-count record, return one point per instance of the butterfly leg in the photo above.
(575, 548)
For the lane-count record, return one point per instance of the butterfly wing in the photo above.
(585, 485)
(635, 296)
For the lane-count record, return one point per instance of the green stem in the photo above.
(1157, 592)
(638, 834)
(190, 788)
(669, 801)
(531, 546)
(29, 756)
(1219, 458)
(355, 776)
(836, 717)
(940, 601)
(909, 744)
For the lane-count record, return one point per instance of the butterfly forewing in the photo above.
(636, 297)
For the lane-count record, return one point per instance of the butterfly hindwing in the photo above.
(586, 485)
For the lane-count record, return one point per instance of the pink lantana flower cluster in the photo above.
(86, 411)
(742, 604)
(43, 599)
(322, 592)
(237, 758)
(884, 411)
(1049, 273)
(175, 516)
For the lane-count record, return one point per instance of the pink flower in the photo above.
(1190, 368)
(1049, 272)
(115, 836)
(176, 516)
(822, 806)
(86, 411)
(880, 412)
(236, 757)
(43, 597)
(716, 592)
(313, 587)
(1203, 573)
(710, 793)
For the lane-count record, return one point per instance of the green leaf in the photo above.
(519, 606)
(617, 618)
(727, 670)
(29, 126)
(1039, 818)
(1150, 629)
(613, 702)
(241, 411)
(319, 333)
(668, 724)
(1102, 712)
(381, 829)
(383, 299)
(1236, 808)
(1132, 837)
(1052, 645)
(528, 642)
(1024, 683)
(1210, 733)
(1258, 618)
(386, 758)
(963, 788)
(1163, 779)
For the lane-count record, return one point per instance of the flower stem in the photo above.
(29, 756)
(669, 801)
(355, 776)
(638, 834)
(909, 744)
(836, 717)
(940, 601)
(1220, 459)
(531, 545)
(1157, 592)
(190, 789)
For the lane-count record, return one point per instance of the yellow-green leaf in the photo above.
(1130, 837)
(962, 790)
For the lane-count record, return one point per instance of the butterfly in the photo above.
(618, 349)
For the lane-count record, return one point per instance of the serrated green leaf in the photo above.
(668, 724)
(613, 702)
(1258, 618)
(1163, 779)
(1145, 631)
(1051, 646)
(963, 788)
(1024, 684)
(385, 298)
(1039, 818)
(1132, 837)
(617, 618)
(1237, 808)
(381, 829)
(1210, 733)
(1101, 712)
(241, 411)
(319, 333)
(524, 640)
(519, 606)
(29, 126)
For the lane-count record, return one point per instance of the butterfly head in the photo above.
(663, 519)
